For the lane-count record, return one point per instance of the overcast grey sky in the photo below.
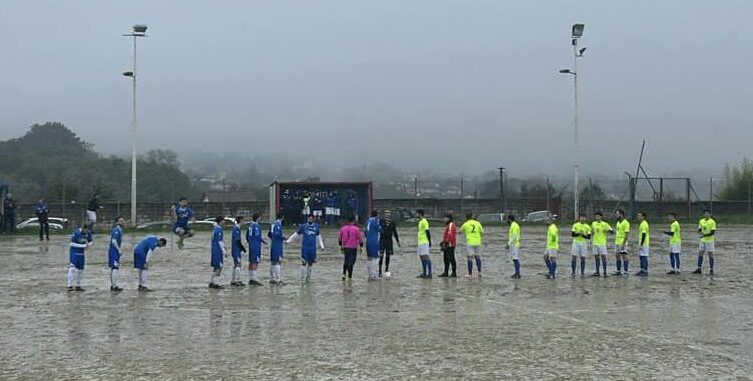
(450, 85)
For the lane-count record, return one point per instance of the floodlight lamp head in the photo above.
(577, 31)
(139, 29)
(128, 74)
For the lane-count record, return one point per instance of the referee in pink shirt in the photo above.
(350, 240)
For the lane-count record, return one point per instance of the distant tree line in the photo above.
(738, 181)
(51, 161)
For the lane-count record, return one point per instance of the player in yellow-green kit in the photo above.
(622, 228)
(424, 244)
(644, 240)
(600, 229)
(552, 246)
(473, 232)
(706, 229)
(675, 243)
(581, 233)
(513, 244)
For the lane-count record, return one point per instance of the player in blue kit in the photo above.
(311, 239)
(142, 253)
(81, 239)
(373, 230)
(114, 252)
(218, 252)
(182, 214)
(276, 250)
(255, 240)
(236, 249)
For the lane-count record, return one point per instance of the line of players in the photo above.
(379, 233)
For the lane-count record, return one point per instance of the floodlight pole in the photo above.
(137, 32)
(576, 162)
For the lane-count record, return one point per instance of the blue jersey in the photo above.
(275, 234)
(237, 243)
(79, 237)
(309, 233)
(254, 239)
(182, 216)
(116, 235)
(146, 245)
(329, 202)
(217, 239)
(41, 210)
(373, 229)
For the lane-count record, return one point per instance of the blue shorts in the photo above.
(216, 261)
(372, 250)
(254, 258)
(77, 260)
(139, 260)
(113, 259)
(185, 228)
(275, 257)
(308, 255)
(237, 259)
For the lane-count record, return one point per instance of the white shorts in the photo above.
(329, 210)
(91, 217)
(621, 249)
(317, 213)
(600, 249)
(473, 250)
(306, 211)
(423, 249)
(706, 246)
(580, 249)
(336, 211)
(675, 248)
(643, 251)
(514, 253)
(551, 253)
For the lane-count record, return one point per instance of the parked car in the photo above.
(56, 223)
(538, 216)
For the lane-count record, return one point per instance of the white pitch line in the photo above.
(660, 340)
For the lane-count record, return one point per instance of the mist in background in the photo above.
(439, 86)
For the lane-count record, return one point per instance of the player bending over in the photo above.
(114, 252)
(675, 243)
(182, 215)
(142, 253)
(81, 239)
(706, 229)
(311, 238)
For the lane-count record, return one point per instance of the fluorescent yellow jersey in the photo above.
(472, 230)
(706, 225)
(553, 237)
(600, 229)
(623, 228)
(643, 228)
(581, 228)
(676, 238)
(423, 226)
(514, 235)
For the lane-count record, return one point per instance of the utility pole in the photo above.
(502, 195)
(138, 31)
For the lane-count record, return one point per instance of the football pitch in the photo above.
(660, 327)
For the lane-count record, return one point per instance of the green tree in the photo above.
(738, 180)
